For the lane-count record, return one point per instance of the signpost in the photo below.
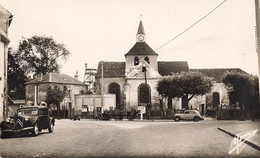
(142, 111)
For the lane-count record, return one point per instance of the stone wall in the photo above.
(108, 81)
(131, 92)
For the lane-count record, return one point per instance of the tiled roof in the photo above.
(217, 73)
(141, 48)
(168, 67)
(56, 78)
(111, 69)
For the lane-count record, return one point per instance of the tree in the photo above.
(15, 77)
(55, 95)
(243, 86)
(40, 54)
(184, 85)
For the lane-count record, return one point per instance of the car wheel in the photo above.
(177, 119)
(196, 119)
(35, 131)
(51, 128)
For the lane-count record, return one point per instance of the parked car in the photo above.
(29, 119)
(188, 115)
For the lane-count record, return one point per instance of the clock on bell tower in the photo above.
(140, 36)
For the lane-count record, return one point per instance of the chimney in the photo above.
(76, 75)
(40, 77)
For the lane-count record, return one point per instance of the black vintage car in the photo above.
(29, 119)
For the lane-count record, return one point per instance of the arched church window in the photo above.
(136, 61)
(144, 95)
(147, 60)
(114, 88)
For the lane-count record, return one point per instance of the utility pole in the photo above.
(257, 13)
(147, 100)
(102, 84)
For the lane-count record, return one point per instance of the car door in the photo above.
(191, 115)
(43, 118)
(186, 115)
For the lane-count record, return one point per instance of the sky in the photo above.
(96, 30)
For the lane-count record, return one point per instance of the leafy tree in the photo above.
(243, 86)
(184, 85)
(15, 77)
(40, 54)
(55, 95)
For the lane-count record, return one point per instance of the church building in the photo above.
(134, 80)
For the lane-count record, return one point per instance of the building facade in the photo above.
(36, 89)
(134, 80)
(5, 21)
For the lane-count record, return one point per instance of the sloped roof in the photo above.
(168, 67)
(117, 69)
(111, 69)
(217, 73)
(141, 48)
(56, 78)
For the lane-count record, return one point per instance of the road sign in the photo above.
(84, 108)
(142, 111)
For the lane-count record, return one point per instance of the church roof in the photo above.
(55, 78)
(141, 48)
(117, 69)
(111, 69)
(168, 67)
(217, 73)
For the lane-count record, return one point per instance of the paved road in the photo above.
(89, 138)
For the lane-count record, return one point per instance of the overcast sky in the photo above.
(95, 30)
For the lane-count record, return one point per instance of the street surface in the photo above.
(159, 138)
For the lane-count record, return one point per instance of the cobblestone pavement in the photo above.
(90, 138)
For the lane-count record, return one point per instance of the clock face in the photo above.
(141, 38)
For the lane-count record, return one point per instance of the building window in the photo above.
(114, 88)
(67, 93)
(144, 95)
(136, 61)
(147, 60)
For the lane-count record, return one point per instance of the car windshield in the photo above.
(28, 112)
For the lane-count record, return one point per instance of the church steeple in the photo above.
(140, 28)
(140, 36)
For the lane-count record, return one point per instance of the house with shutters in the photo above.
(134, 80)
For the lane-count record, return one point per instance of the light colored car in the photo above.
(188, 115)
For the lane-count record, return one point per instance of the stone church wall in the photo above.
(120, 81)
(131, 92)
(130, 62)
